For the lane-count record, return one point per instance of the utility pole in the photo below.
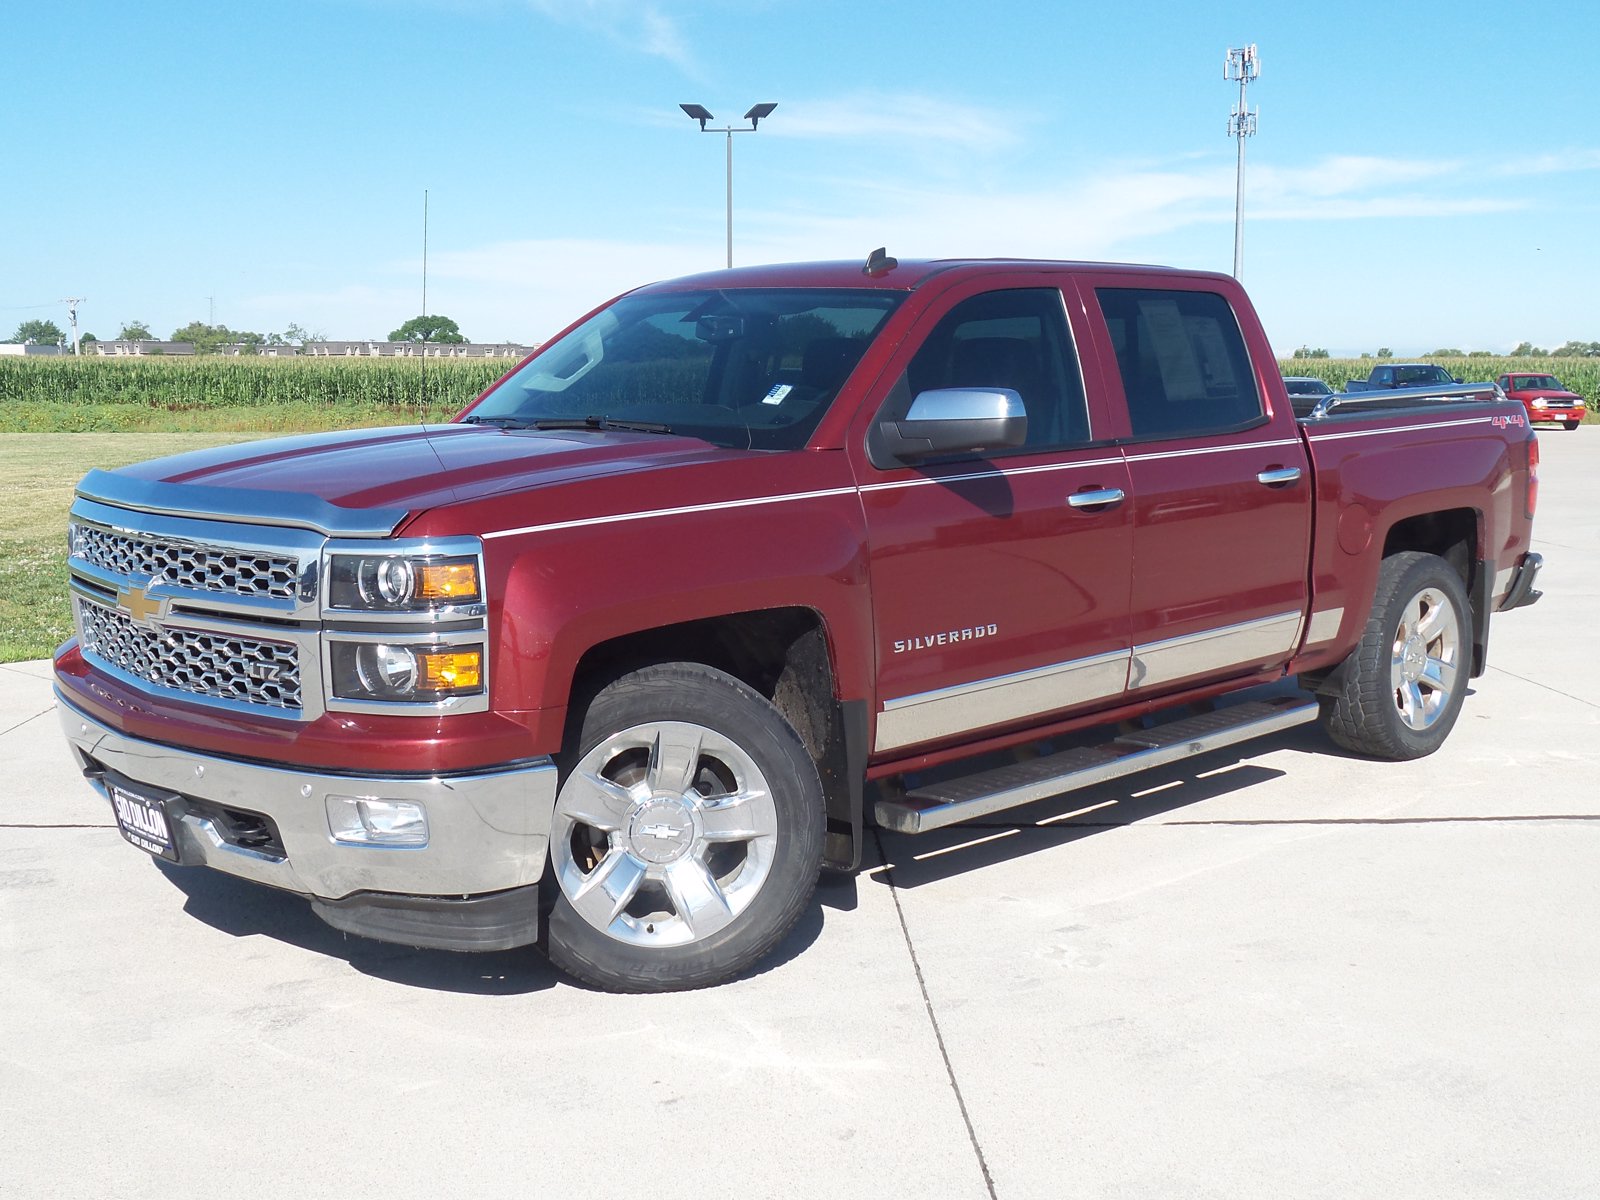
(1242, 65)
(72, 303)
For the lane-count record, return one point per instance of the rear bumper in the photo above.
(487, 834)
(1522, 593)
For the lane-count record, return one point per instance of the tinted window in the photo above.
(1183, 362)
(739, 367)
(1013, 339)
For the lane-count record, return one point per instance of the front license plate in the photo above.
(143, 821)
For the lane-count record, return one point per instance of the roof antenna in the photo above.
(879, 263)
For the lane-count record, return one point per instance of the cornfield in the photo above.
(77, 395)
(268, 395)
(1581, 375)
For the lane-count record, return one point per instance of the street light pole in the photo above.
(698, 112)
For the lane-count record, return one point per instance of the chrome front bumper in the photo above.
(487, 831)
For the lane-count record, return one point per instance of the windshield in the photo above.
(1536, 383)
(742, 368)
(1307, 387)
(1409, 376)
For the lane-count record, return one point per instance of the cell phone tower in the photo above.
(1242, 65)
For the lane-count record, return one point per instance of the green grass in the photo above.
(35, 493)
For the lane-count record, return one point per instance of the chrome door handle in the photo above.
(1096, 498)
(1279, 475)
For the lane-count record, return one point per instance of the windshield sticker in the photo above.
(778, 392)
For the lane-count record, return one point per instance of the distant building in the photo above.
(28, 349)
(265, 349)
(122, 347)
(373, 349)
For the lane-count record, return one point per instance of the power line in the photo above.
(1242, 65)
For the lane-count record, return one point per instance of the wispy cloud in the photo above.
(639, 25)
(914, 117)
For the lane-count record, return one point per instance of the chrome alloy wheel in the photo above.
(663, 834)
(1425, 662)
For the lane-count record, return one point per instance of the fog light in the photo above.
(368, 821)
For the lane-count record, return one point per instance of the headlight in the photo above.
(401, 674)
(402, 583)
(1541, 402)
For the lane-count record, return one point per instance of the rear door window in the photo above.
(1183, 362)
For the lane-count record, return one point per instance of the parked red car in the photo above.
(1544, 398)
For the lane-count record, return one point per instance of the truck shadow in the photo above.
(242, 909)
(909, 861)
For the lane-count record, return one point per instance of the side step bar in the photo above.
(991, 791)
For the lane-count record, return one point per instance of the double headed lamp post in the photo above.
(698, 112)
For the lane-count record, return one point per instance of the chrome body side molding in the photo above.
(1214, 649)
(952, 710)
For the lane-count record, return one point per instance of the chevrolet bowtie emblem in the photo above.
(140, 607)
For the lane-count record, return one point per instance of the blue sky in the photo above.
(1425, 174)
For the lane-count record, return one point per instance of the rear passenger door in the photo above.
(1220, 485)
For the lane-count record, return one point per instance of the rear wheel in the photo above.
(1401, 689)
(687, 833)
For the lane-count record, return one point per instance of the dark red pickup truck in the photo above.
(618, 659)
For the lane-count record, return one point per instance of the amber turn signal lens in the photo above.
(451, 670)
(447, 581)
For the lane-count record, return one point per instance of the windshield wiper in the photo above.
(599, 423)
(498, 422)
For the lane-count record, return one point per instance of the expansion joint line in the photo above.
(933, 1020)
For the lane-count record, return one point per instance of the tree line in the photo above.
(1569, 349)
(211, 339)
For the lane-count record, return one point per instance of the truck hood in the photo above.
(1545, 394)
(417, 467)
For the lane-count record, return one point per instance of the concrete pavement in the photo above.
(1279, 971)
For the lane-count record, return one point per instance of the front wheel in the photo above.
(1571, 424)
(1401, 689)
(687, 833)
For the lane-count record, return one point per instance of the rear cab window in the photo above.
(1182, 360)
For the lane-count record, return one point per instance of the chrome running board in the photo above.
(985, 792)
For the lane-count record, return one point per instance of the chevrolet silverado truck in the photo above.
(1415, 378)
(741, 565)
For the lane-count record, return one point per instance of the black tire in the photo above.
(1397, 696)
(1571, 424)
(687, 834)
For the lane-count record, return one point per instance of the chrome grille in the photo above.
(189, 564)
(244, 670)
